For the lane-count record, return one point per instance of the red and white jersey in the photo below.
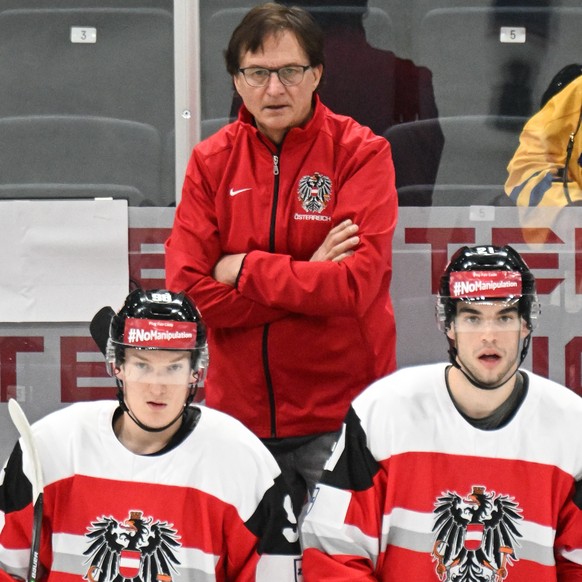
(414, 492)
(210, 509)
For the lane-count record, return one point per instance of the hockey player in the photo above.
(150, 488)
(468, 471)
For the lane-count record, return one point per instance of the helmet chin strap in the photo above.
(453, 356)
(121, 398)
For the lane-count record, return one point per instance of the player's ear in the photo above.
(118, 372)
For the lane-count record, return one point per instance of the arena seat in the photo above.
(396, 38)
(127, 74)
(472, 166)
(90, 156)
(211, 126)
(217, 92)
(474, 73)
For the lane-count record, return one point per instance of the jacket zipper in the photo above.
(265, 348)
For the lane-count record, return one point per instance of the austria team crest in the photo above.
(314, 192)
(136, 550)
(475, 537)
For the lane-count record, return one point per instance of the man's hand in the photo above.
(339, 243)
(227, 269)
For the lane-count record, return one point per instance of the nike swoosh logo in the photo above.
(235, 192)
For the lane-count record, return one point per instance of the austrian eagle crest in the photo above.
(475, 537)
(137, 549)
(314, 192)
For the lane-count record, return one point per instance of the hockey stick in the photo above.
(22, 425)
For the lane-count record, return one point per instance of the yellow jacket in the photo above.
(536, 169)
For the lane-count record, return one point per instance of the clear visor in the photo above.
(483, 316)
(178, 374)
(156, 367)
(480, 314)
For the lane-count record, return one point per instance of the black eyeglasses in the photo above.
(259, 76)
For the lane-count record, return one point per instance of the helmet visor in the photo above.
(495, 316)
(168, 368)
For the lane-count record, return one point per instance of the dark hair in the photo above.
(273, 19)
(562, 78)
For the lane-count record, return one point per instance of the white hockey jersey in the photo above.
(210, 509)
(413, 491)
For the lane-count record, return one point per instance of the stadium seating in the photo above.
(472, 166)
(126, 75)
(474, 71)
(75, 156)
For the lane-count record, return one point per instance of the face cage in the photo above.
(444, 325)
(199, 373)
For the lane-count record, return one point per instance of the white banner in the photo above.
(62, 260)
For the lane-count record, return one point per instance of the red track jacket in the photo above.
(295, 341)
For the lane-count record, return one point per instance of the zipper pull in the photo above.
(276, 165)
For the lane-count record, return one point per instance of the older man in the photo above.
(283, 238)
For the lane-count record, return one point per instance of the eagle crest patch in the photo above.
(136, 549)
(314, 192)
(475, 537)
